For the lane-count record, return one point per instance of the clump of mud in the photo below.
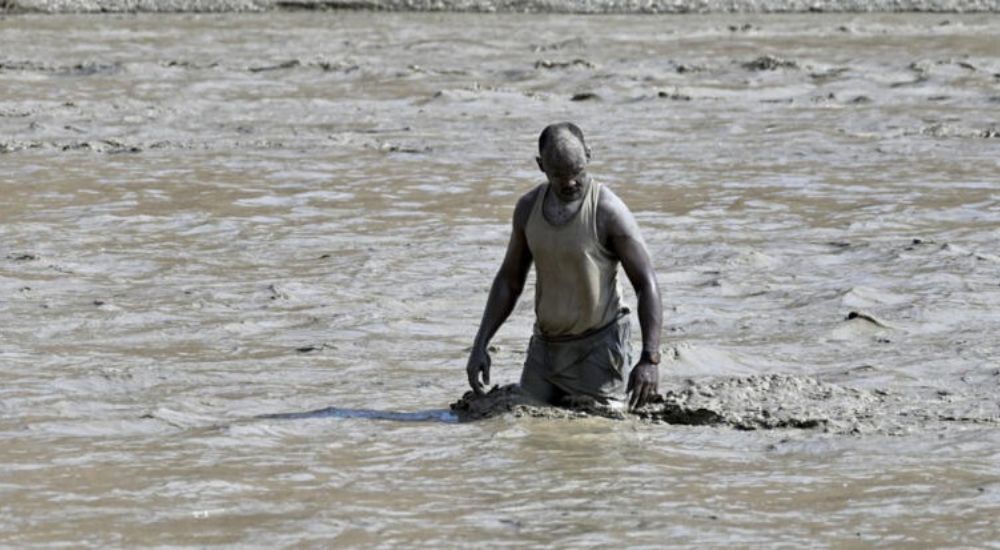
(770, 63)
(509, 399)
(767, 402)
(758, 402)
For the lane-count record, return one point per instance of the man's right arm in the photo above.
(506, 288)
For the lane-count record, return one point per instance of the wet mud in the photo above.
(151, 124)
(764, 402)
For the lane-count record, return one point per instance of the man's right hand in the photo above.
(479, 362)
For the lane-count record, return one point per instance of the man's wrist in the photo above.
(479, 345)
(651, 357)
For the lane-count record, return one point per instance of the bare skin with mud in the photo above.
(587, 303)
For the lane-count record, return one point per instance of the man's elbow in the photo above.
(508, 284)
(515, 287)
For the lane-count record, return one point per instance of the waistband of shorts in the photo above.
(622, 314)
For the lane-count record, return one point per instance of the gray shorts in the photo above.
(590, 368)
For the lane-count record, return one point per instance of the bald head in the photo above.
(561, 147)
(563, 155)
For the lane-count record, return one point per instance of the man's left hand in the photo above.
(643, 384)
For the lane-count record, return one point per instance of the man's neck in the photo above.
(558, 210)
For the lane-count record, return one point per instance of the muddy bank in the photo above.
(515, 6)
(765, 402)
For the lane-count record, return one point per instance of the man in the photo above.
(577, 232)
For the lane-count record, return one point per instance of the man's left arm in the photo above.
(624, 240)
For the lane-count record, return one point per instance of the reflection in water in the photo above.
(437, 415)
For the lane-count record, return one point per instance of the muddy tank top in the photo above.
(577, 287)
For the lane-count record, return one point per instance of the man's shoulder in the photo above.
(524, 205)
(529, 197)
(612, 213)
(608, 200)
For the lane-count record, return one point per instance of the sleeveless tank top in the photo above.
(577, 288)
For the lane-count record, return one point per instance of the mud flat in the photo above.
(520, 6)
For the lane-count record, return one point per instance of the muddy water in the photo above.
(210, 218)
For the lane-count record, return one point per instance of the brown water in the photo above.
(210, 218)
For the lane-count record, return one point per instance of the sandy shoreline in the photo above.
(517, 6)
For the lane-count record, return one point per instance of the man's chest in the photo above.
(559, 212)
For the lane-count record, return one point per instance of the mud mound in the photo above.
(508, 399)
(759, 402)
(768, 402)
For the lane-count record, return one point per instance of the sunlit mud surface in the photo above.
(242, 258)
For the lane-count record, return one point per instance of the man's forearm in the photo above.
(650, 317)
(499, 305)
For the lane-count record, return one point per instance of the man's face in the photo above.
(565, 166)
(568, 181)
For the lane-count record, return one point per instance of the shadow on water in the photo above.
(433, 415)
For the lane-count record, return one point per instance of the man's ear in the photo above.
(541, 167)
(586, 149)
